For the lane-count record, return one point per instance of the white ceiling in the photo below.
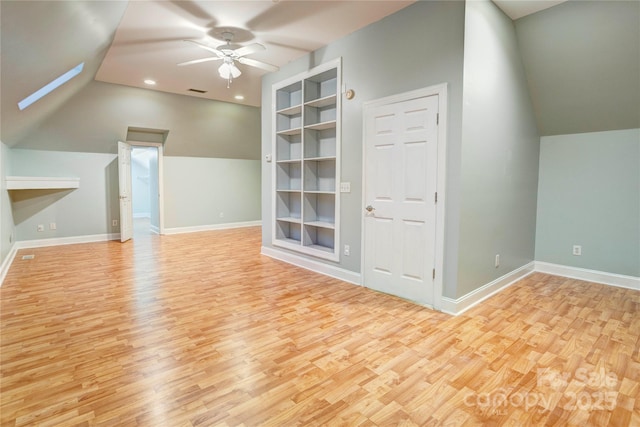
(149, 41)
(516, 9)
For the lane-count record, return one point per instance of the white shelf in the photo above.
(321, 224)
(290, 219)
(293, 131)
(321, 126)
(41, 183)
(291, 111)
(322, 102)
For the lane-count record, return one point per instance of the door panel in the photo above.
(400, 182)
(124, 180)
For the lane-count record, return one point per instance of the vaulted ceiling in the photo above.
(570, 51)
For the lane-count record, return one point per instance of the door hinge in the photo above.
(433, 276)
(436, 198)
(437, 118)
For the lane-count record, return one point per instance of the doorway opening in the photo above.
(145, 190)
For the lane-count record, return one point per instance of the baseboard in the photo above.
(613, 279)
(6, 264)
(154, 229)
(56, 241)
(465, 302)
(315, 266)
(141, 215)
(198, 228)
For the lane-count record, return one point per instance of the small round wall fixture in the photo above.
(350, 94)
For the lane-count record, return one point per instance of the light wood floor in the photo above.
(200, 329)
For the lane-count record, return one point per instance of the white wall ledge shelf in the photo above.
(41, 183)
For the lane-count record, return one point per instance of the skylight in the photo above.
(49, 87)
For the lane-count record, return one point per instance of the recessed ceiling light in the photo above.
(149, 82)
(239, 97)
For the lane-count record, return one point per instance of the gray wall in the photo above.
(589, 195)
(500, 147)
(7, 229)
(198, 190)
(84, 211)
(376, 63)
(98, 116)
(583, 65)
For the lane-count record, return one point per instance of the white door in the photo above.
(401, 150)
(124, 175)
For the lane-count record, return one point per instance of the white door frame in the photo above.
(160, 148)
(441, 91)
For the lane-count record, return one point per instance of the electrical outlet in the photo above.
(114, 223)
(497, 263)
(40, 227)
(577, 250)
(52, 226)
(347, 250)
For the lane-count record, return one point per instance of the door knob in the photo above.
(370, 208)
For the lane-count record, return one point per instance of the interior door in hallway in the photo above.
(124, 191)
(401, 143)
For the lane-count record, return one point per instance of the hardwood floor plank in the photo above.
(201, 330)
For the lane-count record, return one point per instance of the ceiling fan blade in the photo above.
(258, 64)
(249, 49)
(197, 61)
(205, 47)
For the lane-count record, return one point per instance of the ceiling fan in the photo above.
(228, 55)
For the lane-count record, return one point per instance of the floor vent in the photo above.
(28, 256)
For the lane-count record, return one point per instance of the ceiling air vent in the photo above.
(197, 91)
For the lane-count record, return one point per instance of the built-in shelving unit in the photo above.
(306, 143)
(41, 183)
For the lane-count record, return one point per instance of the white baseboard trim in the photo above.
(613, 279)
(56, 241)
(141, 215)
(6, 264)
(197, 228)
(315, 266)
(465, 302)
(154, 229)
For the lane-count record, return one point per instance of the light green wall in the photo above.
(87, 210)
(7, 229)
(419, 46)
(589, 195)
(98, 116)
(500, 146)
(197, 190)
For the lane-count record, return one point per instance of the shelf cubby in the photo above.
(319, 238)
(319, 143)
(288, 232)
(289, 176)
(320, 208)
(321, 85)
(289, 97)
(289, 206)
(288, 147)
(320, 175)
